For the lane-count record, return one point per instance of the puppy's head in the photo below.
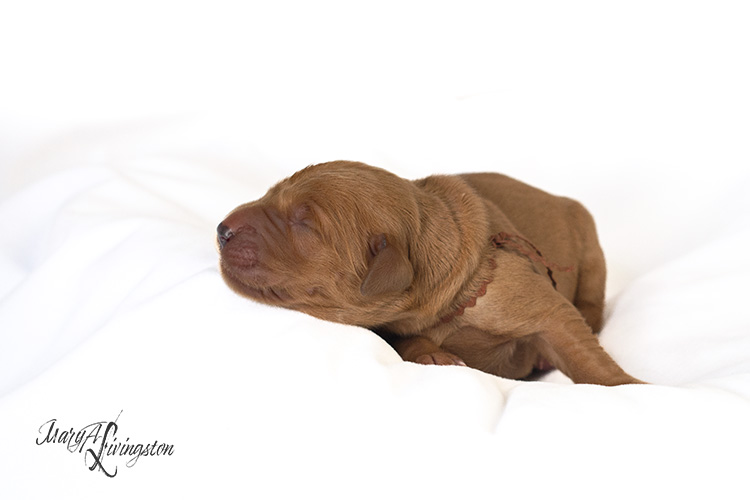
(331, 241)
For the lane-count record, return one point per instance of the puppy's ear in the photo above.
(389, 269)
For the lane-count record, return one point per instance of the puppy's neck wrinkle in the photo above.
(518, 244)
(472, 300)
(451, 243)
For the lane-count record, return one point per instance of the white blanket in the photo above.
(116, 328)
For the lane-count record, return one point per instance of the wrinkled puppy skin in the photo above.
(414, 262)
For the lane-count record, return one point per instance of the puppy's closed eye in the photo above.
(302, 218)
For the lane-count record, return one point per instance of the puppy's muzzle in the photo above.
(243, 239)
(223, 235)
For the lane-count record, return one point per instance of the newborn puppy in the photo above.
(475, 269)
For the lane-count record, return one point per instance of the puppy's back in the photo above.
(540, 216)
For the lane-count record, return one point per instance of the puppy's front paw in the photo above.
(440, 358)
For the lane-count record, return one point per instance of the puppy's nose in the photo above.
(223, 234)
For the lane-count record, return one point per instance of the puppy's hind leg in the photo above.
(589, 297)
(592, 274)
(568, 343)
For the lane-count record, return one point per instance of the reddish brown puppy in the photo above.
(475, 269)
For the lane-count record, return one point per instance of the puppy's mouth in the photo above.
(242, 268)
(244, 282)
